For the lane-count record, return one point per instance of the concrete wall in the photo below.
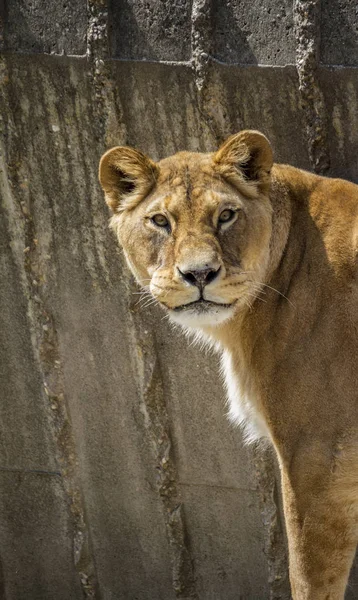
(120, 475)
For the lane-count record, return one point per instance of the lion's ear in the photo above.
(126, 176)
(246, 156)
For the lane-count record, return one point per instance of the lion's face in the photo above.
(195, 228)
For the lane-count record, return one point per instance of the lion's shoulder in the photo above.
(330, 206)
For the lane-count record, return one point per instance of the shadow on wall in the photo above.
(38, 27)
(137, 32)
(231, 41)
(339, 33)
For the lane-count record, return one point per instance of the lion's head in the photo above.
(195, 228)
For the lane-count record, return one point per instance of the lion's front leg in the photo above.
(320, 492)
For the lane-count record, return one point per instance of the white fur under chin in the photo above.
(195, 320)
(244, 409)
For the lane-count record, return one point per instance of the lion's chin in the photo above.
(201, 314)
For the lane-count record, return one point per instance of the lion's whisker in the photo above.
(275, 290)
(150, 303)
(256, 297)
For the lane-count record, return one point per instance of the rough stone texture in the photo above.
(38, 26)
(116, 457)
(201, 41)
(307, 16)
(255, 33)
(156, 30)
(339, 39)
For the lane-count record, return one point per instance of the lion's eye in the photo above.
(226, 215)
(160, 220)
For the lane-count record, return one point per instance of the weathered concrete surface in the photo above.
(120, 475)
(339, 42)
(340, 88)
(25, 441)
(35, 531)
(104, 441)
(308, 21)
(259, 34)
(228, 490)
(30, 26)
(159, 30)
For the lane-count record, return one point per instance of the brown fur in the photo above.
(288, 273)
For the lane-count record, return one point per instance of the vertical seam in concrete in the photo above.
(109, 126)
(3, 82)
(2, 24)
(274, 534)
(201, 36)
(307, 20)
(156, 423)
(97, 52)
(201, 43)
(46, 353)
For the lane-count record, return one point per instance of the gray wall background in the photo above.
(120, 477)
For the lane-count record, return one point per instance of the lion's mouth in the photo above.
(201, 305)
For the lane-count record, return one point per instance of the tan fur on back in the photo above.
(279, 301)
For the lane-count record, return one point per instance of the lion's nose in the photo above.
(200, 277)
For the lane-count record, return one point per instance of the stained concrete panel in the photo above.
(114, 449)
(40, 26)
(235, 98)
(157, 30)
(25, 439)
(260, 98)
(36, 553)
(255, 33)
(209, 450)
(216, 474)
(227, 546)
(159, 121)
(340, 91)
(81, 274)
(339, 32)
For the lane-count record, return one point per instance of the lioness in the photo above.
(261, 259)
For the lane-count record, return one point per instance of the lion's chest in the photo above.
(244, 405)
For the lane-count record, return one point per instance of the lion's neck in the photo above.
(247, 341)
(236, 343)
(260, 346)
